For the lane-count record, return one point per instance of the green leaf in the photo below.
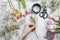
(57, 30)
(59, 17)
(33, 19)
(58, 21)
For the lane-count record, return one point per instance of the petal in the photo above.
(50, 16)
(28, 10)
(56, 18)
(50, 21)
(23, 13)
(49, 27)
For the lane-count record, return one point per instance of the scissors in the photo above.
(44, 13)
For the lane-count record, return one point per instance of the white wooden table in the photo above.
(41, 24)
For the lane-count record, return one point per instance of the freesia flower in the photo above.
(23, 13)
(54, 17)
(49, 27)
(50, 21)
(50, 16)
(28, 11)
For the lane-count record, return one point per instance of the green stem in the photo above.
(19, 3)
(10, 4)
(23, 4)
(36, 34)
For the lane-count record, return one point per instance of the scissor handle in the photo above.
(43, 15)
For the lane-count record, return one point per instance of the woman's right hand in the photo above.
(28, 28)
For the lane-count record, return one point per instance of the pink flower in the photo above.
(28, 11)
(49, 27)
(54, 17)
(23, 13)
(50, 16)
(50, 21)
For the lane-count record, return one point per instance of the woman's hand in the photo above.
(28, 28)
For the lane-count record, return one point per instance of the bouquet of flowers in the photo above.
(53, 23)
(53, 26)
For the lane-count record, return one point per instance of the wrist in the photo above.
(21, 38)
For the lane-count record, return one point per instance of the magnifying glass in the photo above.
(36, 8)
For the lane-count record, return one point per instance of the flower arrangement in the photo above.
(53, 23)
(15, 12)
(53, 26)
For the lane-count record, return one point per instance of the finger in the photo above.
(33, 27)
